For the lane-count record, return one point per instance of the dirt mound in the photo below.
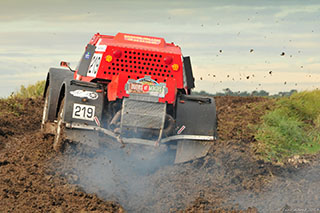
(33, 178)
(27, 182)
(237, 115)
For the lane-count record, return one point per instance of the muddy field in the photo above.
(33, 178)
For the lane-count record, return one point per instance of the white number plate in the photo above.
(84, 112)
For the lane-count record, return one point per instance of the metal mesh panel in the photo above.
(143, 114)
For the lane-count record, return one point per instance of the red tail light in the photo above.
(117, 53)
(168, 60)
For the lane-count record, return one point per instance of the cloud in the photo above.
(292, 10)
(41, 33)
(181, 12)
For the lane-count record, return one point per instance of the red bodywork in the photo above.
(127, 56)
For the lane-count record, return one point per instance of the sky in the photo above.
(243, 45)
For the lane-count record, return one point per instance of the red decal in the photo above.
(96, 119)
(145, 87)
(181, 129)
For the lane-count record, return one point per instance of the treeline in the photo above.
(229, 92)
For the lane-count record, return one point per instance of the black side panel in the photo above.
(188, 70)
(197, 114)
(56, 77)
(86, 59)
(76, 109)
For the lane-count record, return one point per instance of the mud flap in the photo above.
(89, 138)
(190, 150)
(196, 115)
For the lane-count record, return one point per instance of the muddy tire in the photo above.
(45, 112)
(59, 137)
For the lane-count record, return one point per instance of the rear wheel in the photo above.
(60, 130)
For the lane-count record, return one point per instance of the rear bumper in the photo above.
(123, 140)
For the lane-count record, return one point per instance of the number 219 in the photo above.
(86, 112)
(81, 111)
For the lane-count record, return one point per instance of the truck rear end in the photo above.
(134, 89)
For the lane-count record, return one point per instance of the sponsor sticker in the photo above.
(84, 94)
(181, 129)
(142, 39)
(101, 48)
(96, 119)
(87, 55)
(147, 85)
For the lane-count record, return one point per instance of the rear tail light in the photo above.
(117, 53)
(168, 60)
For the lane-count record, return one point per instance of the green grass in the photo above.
(292, 128)
(13, 104)
(31, 91)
